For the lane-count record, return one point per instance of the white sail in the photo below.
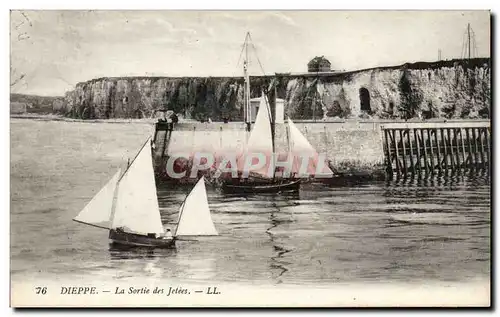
(298, 142)
(98, 211)
(300, 148)
(260, 140)
(194, 214)
(137, 207)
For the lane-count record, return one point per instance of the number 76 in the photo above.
(41, 290)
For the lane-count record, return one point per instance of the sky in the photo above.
(55, 50)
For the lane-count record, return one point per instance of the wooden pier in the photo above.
(161, 139)
(435, 148)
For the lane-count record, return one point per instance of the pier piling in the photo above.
(443, 147)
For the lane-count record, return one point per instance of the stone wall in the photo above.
(347, 145)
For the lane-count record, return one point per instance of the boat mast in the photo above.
(468, 36)
(180, 214)
(115, 194)
(129, 164)
(273, 128)
(113, 205)
(246, 89)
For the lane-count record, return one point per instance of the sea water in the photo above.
(437, 230)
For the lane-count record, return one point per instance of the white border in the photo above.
(257, 5)
(147, 4)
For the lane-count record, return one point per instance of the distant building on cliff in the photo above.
(319, 64)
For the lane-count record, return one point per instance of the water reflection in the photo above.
(200, 268)
(128, 253)
(398, 229)
(440, 178)
(280, 250)
(286, 195)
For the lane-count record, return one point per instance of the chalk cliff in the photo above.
(444, 89)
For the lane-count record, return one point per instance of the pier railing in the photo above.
(435, 148)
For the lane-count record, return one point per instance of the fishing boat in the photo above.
(127, 206)
(261, 141)
(299, 149)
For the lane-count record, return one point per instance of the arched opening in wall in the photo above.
(364, 98)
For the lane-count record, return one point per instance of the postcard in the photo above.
(250, 158)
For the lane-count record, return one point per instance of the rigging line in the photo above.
(255, 51)
(474, 42)
(181, 211)
(258, 60)
(474, 48)
(128, 167)
(468, 52)
(113, 204)
(464, 45)
(473, 34)
(90, 224)
(241, 54)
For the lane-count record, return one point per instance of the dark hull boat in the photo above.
(262, 187)
(121, 238)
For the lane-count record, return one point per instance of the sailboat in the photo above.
(261, 141)
(127, 206)
(299, 148)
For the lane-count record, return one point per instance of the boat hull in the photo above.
(271, 187)
(120, 238)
